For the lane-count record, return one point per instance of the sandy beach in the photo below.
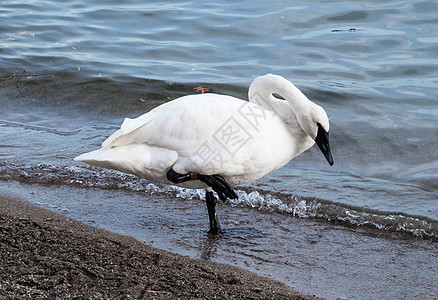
(48, 256)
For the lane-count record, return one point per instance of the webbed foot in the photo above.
(216, 182)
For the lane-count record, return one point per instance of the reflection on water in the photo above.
(209, 247)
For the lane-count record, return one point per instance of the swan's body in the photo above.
(205, 133)
(212, 134)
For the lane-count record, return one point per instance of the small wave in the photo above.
(318, 208)
(295, 205)
(38, 128)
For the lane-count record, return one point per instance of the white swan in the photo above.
(213, 141)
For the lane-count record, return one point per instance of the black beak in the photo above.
(322, 140)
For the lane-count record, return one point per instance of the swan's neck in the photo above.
(294, 103)
(295, 98)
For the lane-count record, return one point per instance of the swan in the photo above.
(214, 142)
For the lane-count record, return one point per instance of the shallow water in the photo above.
(313, 256)
(71, 73)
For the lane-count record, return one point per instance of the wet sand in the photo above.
(47, 256)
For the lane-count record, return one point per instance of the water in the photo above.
(366, 227)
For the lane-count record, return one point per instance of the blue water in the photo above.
(71, 72)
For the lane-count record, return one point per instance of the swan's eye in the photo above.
(278, 96)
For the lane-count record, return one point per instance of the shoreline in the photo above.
(46, 255)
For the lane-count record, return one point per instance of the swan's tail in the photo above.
(139, 159)
(90, 157)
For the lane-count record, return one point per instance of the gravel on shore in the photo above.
(45, 255)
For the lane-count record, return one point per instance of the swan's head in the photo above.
(316, 125)
(311, 117)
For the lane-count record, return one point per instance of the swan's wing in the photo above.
(124, 134)
(179, 125)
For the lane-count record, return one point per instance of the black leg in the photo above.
(215, 227)
(219, 185)
(216, 183)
